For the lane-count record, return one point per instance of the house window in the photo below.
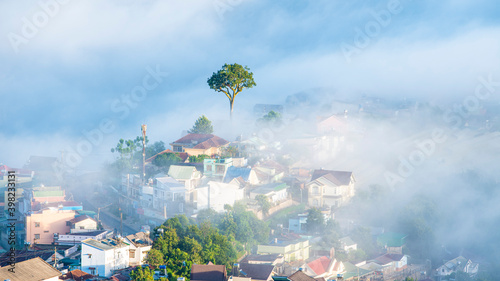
(37, 224)
(132, 254)
(208, 168)
(45, 231)
(82, 227)
(220, 169)
(315, 190)
(177, 148)
(68, 223)
(37, 236)
(315, 202)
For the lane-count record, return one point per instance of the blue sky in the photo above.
(86, 55)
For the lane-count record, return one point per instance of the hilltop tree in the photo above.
(231, 80)
(202, 126)
(272, 118)
(315, 220)
(264, 203)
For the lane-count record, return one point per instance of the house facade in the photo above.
(103, 257)
(330, 188)
(275, 192)
(140, 244)
(42, 225)
(291, 250)
(217, 194)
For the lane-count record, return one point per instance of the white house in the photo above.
(457, 264)
(347, 244)
(276, 192)
(217, 194)
(169, 196)
(83, 223)
(140, 244)
(103, 257)
(330, 188)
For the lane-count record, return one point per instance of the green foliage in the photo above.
(155, 148)
(202, 126)
(142, 274)
(230, 151)
(198, 158)
(238, 223)
(363, 237)
(272, 118)
(231, 80)
(315, 220)
(155, 258)
(183, 243)
(264, 203)
(166, 159)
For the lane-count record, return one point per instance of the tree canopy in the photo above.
(231, 80)
(202, 126)
(315, 220)
(272, 118)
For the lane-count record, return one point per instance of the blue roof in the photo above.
(235, 172)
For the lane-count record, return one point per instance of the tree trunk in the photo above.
(231, 103)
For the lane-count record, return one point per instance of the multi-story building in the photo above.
(104, 257)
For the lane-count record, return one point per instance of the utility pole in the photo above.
(121, 222)
(143, 129)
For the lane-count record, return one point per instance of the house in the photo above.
(217, 194)
(22, 255)
(83, 223)
(103, 257)
(42, 227)
(140, 244)
(216, 167)
(78, 237)
(347, 244)
(34, 269)
(269, 171)
(325, 267)
(275, 192)
(169, 196)
(334, 124)
(208, 272)
(458, 264)
(391, 263)
(353, 272)
(188, 175)
(291, 250)
(392, 241)
(258, 272)
(247, 175)
(198, 144)
(330, 188)
(298, 224)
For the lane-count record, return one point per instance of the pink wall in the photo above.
(51, 221)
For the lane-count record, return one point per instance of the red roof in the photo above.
(201, 141)
(320, 266)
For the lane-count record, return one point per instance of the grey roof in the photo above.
(335, 177)
(235, 172)
(256, 271)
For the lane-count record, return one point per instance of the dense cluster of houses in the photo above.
(63, 241)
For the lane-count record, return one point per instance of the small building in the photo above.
(324, 267)
(78, 237)
(217, 194)
(393, 242)
(347, 244)
(140, 244)
(169, 196)
(83, 223)
(216, 167)
(291, 250)
(188, 175)
(257, 272)
(34, 269)
(247, 175)
(103, 257)
(276, 192)
(458, 264)
(298, 224)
